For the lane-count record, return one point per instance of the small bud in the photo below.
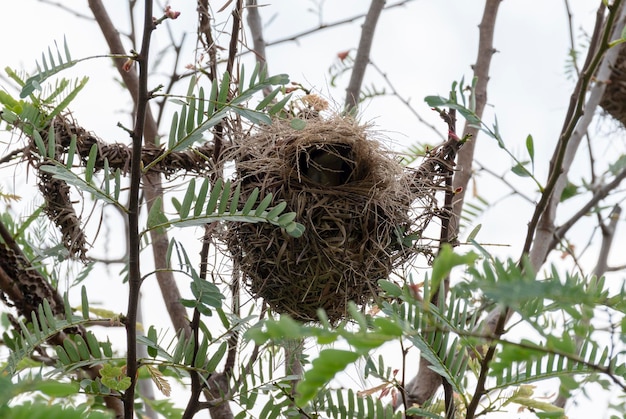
(172, 14)
(452, 135)
(128, 65)
(343, 55)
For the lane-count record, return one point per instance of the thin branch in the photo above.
(482, 168)
(570, 25)
(65, 8)
(134, 242)
(406, 102)
(256, 30)
(363, 55)
(599, 195)
(321, 27)
(484, 368)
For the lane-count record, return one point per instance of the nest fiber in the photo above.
(614, 98)
(352, 196)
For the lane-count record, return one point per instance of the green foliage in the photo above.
(40, 410)
(458, 101)
(47, 68)
(199, 114)
(221, 204)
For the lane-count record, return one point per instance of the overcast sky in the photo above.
(422, 47)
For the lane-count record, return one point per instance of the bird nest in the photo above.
(356, 201)
(614, 97)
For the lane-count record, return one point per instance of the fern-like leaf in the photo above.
(222, 206)
(48, 67)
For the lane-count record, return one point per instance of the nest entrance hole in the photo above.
(327, 164)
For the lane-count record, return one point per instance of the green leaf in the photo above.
(51, 142)
(474, 233)
(94, 346)
(256, 117)
(224, 91)
(277, 210)
(81, 345)
(71, 350)
(173, 129)
(84, 302)
(91, 163)
(188, 200)
(214, 197)
(54, 388)
(217, 357)
(268, 99)
(520, 169)
(156, 216)
(569, 191)
(392, 290)
(221, 209)
(297, 124)
(265, 202)
(181, 132)
(41, 148)
(445, 261)
(324, 367)
(202, 193)
(279, 106)
(152, 336)
(62, 355)
(254, 195)
(234, 201)
(530, 147)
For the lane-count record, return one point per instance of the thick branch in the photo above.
(363, 54)
(580, 114)
(424, 385)
(152, 182)
(486, 50)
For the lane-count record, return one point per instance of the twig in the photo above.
(570, 25)
(406, 102)
(67, 9)
(484, 368)
(599, 195)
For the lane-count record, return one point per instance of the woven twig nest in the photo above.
(355, 201)
(614, 97)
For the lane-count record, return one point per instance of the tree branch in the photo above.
(134, 242)
(152, 182)
(363, 55)
(579, 115)
(486, 50)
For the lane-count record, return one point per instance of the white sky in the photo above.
(422, 47)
